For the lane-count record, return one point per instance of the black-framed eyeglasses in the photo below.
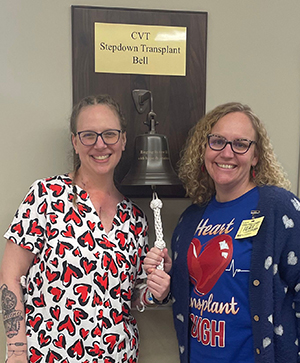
(238, 146)
(109, 137)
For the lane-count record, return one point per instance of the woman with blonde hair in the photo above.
(235, 272)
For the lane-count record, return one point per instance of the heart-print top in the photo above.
(78, 290)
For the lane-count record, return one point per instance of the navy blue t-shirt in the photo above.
(219, 265)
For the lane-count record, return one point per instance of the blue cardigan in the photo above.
(274, 282)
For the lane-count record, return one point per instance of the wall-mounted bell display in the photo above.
(151, 162)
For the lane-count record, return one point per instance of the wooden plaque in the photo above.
(178, 101)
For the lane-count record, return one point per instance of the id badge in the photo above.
(249, 228)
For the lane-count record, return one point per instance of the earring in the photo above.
(253, 173)
(203, 168)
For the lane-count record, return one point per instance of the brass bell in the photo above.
(151, 162)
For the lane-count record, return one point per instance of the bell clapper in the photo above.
(156, 205)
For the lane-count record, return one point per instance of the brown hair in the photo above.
(90, 101)
(101, 99)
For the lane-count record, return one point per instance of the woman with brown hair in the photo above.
(77, 246)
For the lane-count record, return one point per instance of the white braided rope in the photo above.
(156, 205)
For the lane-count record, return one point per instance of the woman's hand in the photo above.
(154, 258)
(158, 282)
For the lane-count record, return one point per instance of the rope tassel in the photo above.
(156, 205)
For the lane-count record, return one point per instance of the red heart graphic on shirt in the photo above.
(43, 339)
(137, 211)
(51, 233)
(122, 240)
(77, 252)
(83, 291)
(78, 315)
(42, 208)
(69, 303)
(207, 263)
(18, 228)
(42, 189)
(62, 247)
(30, 199)
(69, 232)
(60, 342)
(101, 281)
(83, 195)
(105, 243)
(26, 214)
(69, 272)
(111, 340)
(55, 312)
(68, 325)
(39, 301)
(54, 262)
(87, 239)
(53, 217)
(72, 215)
(58, 206)
(97, 331)
(117, 318)
(87, 265)
(84, 333)
(27, 246)
(91, 225)
(123, 276)
(97, 300)
(123, 216)
(126, 294)
(57, 293)
(57, 189)
(35, 322)
(34, 229)
(95, 350)
(49, 324)
(52, 276)
(121, 345)
(137, 229)
(83, 209)
(52, 357)
(35, 355)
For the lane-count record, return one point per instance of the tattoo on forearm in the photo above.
(11, 316)
(17, 353)
(17, 344)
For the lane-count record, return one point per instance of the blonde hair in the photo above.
(198, 184)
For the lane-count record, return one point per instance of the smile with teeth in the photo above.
(101, 157)
(226, 166)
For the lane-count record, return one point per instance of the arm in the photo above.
(16, 262)
(145, 296)
(158, 281)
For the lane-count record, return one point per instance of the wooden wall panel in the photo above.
(179, 101)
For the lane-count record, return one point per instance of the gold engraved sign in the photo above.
(140, 49)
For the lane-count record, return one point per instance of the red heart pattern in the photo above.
(81, 281)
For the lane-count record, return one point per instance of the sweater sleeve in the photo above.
(288, 230)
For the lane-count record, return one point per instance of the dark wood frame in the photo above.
(178, 101)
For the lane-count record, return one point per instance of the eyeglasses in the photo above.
(109, 137)
(238, 146)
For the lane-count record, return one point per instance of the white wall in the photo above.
(253, 57)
